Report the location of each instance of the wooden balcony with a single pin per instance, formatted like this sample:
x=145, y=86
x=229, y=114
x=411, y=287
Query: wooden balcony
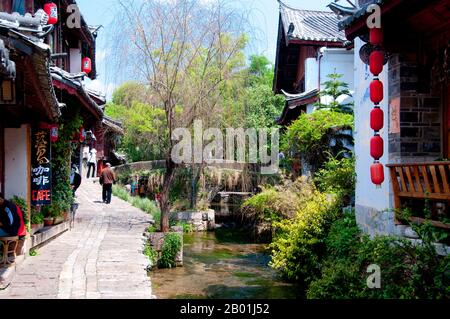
x=421, y=181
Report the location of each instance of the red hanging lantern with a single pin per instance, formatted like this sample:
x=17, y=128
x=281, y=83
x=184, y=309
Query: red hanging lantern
x=376, y=36
x=86, y=65
x=376, y=119
x=376, y=62
x=54, y=133
x=376, y=147
x=377, y=173
x=52, y=11
x=376, y=91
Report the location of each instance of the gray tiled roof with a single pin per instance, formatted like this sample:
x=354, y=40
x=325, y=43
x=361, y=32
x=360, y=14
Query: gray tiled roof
x=321, y=26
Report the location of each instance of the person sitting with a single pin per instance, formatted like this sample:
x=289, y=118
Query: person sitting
x=11, y=219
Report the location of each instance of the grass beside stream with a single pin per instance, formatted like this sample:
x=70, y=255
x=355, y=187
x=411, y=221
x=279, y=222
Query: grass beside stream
x=143, y=204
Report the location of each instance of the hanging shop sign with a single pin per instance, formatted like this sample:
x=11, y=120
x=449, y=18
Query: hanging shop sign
x=41, y=170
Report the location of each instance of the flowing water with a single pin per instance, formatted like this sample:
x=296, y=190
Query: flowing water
x=221, y=265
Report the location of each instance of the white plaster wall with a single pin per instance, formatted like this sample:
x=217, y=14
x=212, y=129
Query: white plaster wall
x=340, y=61
x=75, y=60
x=333, y=60
x=16, y=167
x=310, y=108
x=367, y=194
x=311, y=74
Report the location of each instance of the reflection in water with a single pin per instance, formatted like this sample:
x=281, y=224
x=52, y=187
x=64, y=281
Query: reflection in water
x=221, y=265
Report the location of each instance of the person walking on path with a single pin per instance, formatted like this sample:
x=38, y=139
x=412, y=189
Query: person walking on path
x=75, y=179
x=107, y=179
x=92, y=161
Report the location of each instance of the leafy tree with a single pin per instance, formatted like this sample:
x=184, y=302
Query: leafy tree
x=260, y=70
x=333, y=91
x=184, y=62
x=128, y=93
x=261, y=106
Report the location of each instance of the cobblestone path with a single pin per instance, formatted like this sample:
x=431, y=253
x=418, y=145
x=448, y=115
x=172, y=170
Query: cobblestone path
x=101, y=257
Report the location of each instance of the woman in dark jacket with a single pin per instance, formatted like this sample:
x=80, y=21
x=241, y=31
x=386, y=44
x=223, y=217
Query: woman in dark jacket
x=10, y=220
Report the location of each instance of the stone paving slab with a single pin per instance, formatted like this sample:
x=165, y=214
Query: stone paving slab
x=101, y=257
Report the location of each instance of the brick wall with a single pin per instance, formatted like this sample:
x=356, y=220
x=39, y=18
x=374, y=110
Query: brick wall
x=419, y=137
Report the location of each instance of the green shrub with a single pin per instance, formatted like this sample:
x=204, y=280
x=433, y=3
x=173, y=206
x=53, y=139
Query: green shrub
x=170, y=248
x=311, y=135
x=37, y=218
x=280, y=202
x=56, y=209
x=408, y=271
x=151, y=254
x=298, y=246
x=187, y=227
x=269, y=205
x=343, y=238
x=337, y=176
x=339, y=280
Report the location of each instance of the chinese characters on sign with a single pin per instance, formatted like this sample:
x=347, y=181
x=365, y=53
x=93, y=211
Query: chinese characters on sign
x=41, y=172
x=394, y=125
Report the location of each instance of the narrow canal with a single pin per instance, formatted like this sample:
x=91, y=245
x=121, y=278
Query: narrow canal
x=221, y=265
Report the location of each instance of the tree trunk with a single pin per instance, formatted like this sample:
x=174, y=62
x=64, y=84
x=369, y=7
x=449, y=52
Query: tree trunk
x=165, y=204
x=193, y=186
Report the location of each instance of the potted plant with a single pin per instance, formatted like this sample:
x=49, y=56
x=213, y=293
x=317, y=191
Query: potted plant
x=48, y=218
x=56, y=211
x=37, y=222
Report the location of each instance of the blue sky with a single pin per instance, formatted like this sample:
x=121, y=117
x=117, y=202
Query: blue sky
x=264, y=19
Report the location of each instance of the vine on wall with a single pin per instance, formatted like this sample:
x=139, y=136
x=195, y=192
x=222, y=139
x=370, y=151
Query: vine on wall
x=62, y=149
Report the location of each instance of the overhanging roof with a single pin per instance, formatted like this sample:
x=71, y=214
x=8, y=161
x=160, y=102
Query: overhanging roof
x=294, y=102
x=113, y=125
x=37, y=61
x=73, y=85
x=309, y=25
